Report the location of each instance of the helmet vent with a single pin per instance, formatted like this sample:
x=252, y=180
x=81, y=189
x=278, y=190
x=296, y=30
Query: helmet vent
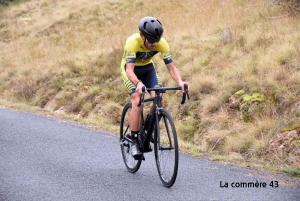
x=156, y=30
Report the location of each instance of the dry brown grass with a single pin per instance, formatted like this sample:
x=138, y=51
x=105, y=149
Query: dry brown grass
x=64, y=56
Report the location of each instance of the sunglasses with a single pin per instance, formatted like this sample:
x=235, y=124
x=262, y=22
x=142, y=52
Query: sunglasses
x=153, y=40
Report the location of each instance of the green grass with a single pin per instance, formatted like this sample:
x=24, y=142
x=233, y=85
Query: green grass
x=292, y=171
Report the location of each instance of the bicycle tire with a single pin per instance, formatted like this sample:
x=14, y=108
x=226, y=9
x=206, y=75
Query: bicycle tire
x=131, y=164
x=166, y=149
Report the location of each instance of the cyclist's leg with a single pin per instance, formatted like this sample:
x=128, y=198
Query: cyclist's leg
x=148, y=75
x=151, y=80
x=134, y=116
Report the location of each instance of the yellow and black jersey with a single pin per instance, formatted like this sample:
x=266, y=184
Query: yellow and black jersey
x=135, y=51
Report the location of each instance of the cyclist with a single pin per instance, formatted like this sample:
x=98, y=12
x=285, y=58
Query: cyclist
x=138, y=70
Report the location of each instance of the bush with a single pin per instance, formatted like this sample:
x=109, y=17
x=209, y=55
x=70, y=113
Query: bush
x=296, y=2
x=4, y=2
x=293, y=5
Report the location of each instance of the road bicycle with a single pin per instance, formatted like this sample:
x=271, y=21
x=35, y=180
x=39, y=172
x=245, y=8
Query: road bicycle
x=161, y=131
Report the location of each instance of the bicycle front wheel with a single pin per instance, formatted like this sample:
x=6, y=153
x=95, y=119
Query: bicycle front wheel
x=166, y=149
x=131, y=164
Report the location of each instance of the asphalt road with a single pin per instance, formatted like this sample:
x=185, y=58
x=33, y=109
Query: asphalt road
x=47, y=159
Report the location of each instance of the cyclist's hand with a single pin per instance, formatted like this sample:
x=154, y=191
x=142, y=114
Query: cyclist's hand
x=138, y=89
x=181, y=85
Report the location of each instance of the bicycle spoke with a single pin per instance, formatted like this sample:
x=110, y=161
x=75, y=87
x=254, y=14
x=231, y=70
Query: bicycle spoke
x=168, y=131
x=166, y=149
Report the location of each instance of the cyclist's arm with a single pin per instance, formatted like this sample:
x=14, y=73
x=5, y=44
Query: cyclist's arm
x=166, y=55
x=133, y=78
x=175, y=74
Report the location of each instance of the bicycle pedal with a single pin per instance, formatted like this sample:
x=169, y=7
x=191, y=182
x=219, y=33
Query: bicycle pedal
x=139, y=157
x=148, y=149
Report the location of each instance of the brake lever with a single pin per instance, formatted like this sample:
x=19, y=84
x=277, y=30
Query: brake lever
x=142, y=97
x=185, y=94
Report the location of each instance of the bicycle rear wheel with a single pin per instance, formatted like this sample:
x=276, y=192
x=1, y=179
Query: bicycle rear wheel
x=166, y=149
x=131, y=164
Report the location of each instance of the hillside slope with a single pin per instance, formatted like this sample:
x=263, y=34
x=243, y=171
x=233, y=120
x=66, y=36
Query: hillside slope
x=241, y=59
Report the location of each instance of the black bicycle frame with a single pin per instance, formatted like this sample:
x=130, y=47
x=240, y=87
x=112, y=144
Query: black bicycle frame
x=157, y=99
x=154, y=117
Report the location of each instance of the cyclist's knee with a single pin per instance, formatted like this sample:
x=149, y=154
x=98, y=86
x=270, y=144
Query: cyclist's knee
x=135, y=98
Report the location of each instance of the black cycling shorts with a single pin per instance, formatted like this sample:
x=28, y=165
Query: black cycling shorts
x=147, y=74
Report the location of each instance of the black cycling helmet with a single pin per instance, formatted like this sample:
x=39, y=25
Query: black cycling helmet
x=151, y=28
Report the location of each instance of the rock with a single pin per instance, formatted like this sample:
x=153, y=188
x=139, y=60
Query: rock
x=286, y=145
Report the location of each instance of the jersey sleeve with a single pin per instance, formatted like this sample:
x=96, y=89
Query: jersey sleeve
x=130, y=51
x=165, y=51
